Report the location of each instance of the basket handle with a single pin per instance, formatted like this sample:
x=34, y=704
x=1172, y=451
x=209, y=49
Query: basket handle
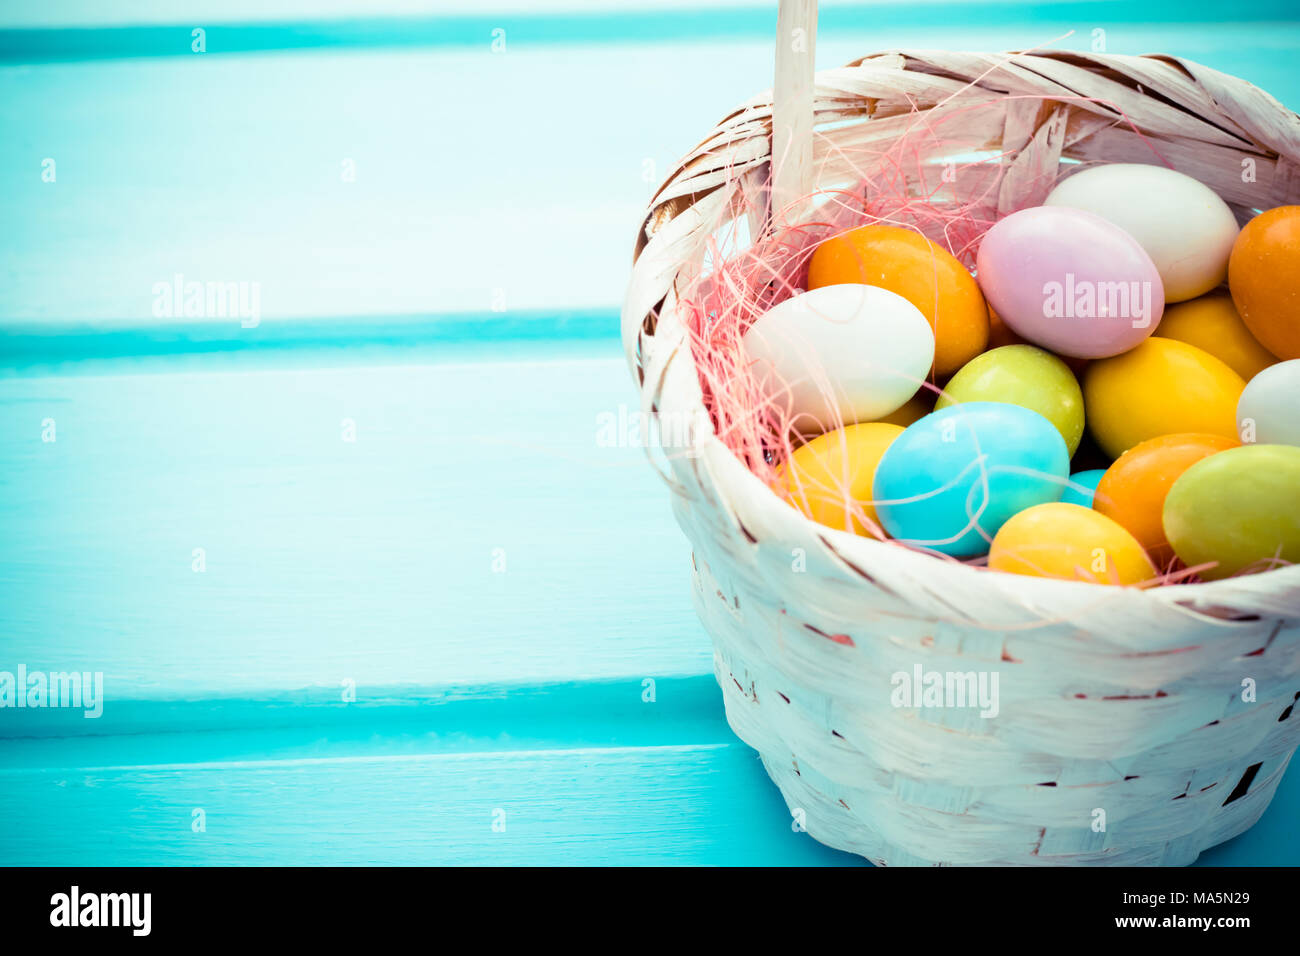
x=792, y=107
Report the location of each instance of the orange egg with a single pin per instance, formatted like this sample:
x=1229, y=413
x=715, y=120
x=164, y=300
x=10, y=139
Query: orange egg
x=907, y=263
x=1000, y=333
x=1264, y=275
x=1133, y=490
x=1211, y=323
x=1077, y=365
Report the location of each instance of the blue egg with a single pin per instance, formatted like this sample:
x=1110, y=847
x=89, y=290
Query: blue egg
x=1088, y=479
x=951, y=480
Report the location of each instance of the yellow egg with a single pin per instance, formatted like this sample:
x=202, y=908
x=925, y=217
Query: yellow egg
x=1213, y=324
x=1162, y=387
x=1059, y=540
x=829, y=479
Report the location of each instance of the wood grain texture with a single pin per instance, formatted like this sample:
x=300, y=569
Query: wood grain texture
x=228, y=168
x=326, y=560
x=372, y=561
x=589, y=772
x=642, y=806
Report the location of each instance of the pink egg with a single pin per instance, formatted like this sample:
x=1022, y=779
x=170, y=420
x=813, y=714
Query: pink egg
x=1070, y=281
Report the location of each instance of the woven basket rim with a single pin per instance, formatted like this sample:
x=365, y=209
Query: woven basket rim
x=1221, y=593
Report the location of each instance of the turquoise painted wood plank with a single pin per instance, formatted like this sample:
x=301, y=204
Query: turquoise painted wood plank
x=673, y=805
x=371, y=562
x=231, y=168
x=742, y=13
x=67, y=348
x=478, y=529
x=592, y=772
x=320, y=723
x=588, y=773
x=280, y=26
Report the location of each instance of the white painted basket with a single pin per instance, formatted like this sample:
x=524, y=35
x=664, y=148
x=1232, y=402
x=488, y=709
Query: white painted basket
x=1127, y=732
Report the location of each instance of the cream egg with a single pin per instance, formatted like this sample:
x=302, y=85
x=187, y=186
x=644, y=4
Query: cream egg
x=839, y=354
x=1266, y=411
x=1183, y=225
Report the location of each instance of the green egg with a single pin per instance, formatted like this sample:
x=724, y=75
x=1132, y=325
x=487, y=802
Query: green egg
x=1026, y=376
x=1239, y=507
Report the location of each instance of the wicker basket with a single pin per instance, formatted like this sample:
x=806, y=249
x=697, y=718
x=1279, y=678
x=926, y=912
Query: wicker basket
x=1134, y=727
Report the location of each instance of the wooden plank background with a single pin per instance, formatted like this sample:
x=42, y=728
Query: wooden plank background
x=370, y=563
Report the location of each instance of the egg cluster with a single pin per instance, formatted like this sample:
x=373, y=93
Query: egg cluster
x=1097, y=330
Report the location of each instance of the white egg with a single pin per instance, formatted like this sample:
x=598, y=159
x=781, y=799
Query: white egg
x=1183, y=225
x=840, y=354
x=1268, y=412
